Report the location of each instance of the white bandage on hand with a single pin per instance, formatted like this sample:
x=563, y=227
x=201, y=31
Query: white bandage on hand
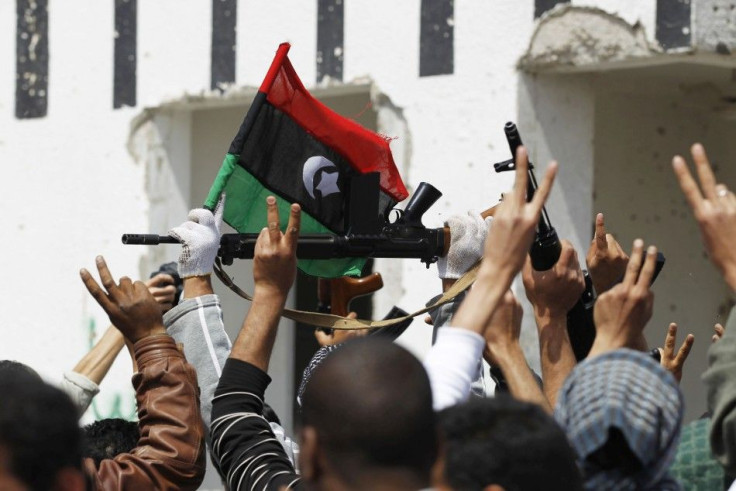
x=467, y=238
x=200, y=239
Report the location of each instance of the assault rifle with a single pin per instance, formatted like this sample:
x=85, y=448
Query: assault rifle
x=545, y=252
x=369, y=233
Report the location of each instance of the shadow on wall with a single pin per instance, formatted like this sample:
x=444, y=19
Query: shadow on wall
x=615, y=133
x=613, y=109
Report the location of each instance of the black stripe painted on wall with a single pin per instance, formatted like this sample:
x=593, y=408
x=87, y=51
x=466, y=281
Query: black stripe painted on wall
x=31, y=59
x=437, y=38
x=673, y=23
x=541, y=6
x=330, y=36
x=126, y=53
x=224, y=29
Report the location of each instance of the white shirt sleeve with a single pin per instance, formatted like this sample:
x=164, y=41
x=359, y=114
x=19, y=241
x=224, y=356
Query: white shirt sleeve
x=452, y=365
x=80, y=389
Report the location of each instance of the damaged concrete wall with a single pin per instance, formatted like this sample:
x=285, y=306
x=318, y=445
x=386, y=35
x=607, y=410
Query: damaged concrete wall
x=598, y=32
x=570, y=36
x=714, y=25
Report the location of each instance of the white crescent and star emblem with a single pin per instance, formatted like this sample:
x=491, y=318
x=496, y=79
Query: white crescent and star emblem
x=328, y=183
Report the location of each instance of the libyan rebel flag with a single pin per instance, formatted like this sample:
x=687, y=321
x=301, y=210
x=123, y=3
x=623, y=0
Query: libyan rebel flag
x=295, y=148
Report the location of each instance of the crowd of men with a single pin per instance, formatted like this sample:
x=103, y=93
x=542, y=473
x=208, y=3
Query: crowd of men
x=372, y=416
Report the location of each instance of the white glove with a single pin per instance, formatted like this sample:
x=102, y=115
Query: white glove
x=200, y=239
x=467, y=237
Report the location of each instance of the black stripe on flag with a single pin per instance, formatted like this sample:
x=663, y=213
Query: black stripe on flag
x=541, y=6
x=437, y=38
x=126, y=38
x=330, y=36
x=276, y=152
x=673, y=23
x=31, y=59
x=224, y=29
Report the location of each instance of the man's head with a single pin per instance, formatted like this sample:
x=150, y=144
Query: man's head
x=40, y=440
x=367, y=416
x=107, y=438
x=506, y=444
x=13, y=368
x=622, y=414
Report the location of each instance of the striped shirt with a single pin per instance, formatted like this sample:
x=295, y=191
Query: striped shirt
x=245, y=449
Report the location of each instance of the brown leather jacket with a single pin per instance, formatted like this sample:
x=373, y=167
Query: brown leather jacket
x=171, y=450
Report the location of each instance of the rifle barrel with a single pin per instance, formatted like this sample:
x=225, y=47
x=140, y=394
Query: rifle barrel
x=148, y=239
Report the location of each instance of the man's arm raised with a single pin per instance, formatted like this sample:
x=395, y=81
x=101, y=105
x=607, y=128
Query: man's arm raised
x=505, y=251
x=170, y=452
x=503, y=349
x=621, y=314
x=714, y=207
x=274, y=271
x=506, y=248
x=553, y=293
x=606, y=259
x=245, y=450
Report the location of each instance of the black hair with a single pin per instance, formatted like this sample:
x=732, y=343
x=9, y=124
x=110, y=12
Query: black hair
x=106, y=438
x=38, y=429
x=370, y=403
x=505, y=442
x=16, y=368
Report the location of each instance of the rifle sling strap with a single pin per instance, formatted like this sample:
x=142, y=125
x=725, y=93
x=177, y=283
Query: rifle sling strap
x=336, y=322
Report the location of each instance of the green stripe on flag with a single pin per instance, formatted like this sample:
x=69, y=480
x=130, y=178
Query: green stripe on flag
x=245, y=211
x=229, y=163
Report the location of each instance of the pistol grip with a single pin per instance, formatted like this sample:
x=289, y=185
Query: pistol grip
x=344, y=290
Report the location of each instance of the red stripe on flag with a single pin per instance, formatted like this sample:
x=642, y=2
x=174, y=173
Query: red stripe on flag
x=363, y=149
x=273, y=70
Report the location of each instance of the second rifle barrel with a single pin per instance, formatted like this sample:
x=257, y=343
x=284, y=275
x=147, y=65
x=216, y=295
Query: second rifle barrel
x=321, y=246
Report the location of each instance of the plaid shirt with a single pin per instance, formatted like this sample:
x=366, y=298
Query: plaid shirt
x=628, y=391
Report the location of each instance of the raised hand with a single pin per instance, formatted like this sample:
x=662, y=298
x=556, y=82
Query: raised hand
x=714, y=207
x=163, y=290
x=606, y=259
x=555, y=291
x=507, y=246
x=718, y=332
x=515, y=221
x=200, y=239
x=552, y=294
x=671, y=361
x=326, y=337
x=274, y=259
x=130, y=306
x=623, y=311
x=274, y=270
